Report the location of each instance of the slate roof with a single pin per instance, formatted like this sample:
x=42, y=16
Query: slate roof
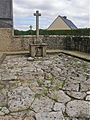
x=68, y=22
x=5, y=25
x=6, y=9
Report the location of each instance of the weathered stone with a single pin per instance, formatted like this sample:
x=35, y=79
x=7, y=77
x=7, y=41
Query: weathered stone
x=5, y=110
x=77, y=95
x=2, y=113
x=71, y=86
x=88, y=92
x=59, y=107
x=47, y=76
x=78, y=108
x=47, y=83
x=3, y=98
x=23, y=114
x=29, y=118
x=26, y=76
x=1, y=86
x=9, y=84
x=60, y=96
x=85, y=86
x=43, y=104
x=88, y=97
x=49, y=116
x=8, y=77
x=30, y=59
x=0, y=78
x=29, y=69
x=38, y=75
x=47, y=63
x=19, y=114
x=20, y=98
x=8, y=118
x=68, y=118
x=55, y=72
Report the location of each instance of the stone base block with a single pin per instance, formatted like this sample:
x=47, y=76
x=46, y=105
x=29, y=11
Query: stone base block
x=38, y=50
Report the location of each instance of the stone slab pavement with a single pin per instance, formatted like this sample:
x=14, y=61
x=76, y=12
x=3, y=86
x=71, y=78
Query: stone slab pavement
x=56, y=87
x=81, y=55
x=73, y=53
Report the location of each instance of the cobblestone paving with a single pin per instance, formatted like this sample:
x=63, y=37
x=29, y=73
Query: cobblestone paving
x=50, y=88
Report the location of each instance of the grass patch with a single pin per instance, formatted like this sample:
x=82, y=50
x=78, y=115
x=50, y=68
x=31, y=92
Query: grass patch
x=40, y=83
x=37, y=95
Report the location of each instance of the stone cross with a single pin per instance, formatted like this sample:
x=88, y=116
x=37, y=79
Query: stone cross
x=37, y=14
x=30, y=27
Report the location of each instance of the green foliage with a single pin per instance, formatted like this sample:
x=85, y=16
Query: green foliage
x=84, y=64
x=55, y=97
x=87, y=76
x=37, y=95
x=29, y=32
x=65, y=114
x=47, y=90
x=58, y=86
x=63, y=83
x=51, y=80
x=77, y=32
x=40, y=83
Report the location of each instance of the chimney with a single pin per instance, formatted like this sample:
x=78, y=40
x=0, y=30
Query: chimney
x=65, y=17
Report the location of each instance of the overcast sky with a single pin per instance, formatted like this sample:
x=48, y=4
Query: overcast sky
x=76, y=10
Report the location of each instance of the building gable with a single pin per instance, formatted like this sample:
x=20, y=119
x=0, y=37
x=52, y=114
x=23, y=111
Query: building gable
x=62, y=23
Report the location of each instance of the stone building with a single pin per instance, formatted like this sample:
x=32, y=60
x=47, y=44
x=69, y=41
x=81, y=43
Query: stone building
x=6, y=14
x=6, y=24
x=62, y=23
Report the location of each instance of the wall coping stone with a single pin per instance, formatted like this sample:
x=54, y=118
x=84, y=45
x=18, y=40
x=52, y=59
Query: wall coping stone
x=28, y=36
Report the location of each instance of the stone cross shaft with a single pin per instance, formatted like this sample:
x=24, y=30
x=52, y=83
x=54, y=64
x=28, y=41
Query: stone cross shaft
x=37, y=14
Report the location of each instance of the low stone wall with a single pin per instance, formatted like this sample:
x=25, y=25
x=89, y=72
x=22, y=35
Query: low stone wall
x=21, y=43
x=78, y=43
x=8, y=42
x=54, y=41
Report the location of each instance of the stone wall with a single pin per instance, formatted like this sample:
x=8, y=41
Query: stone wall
x=54, y=41
x=79, y=43
x=76, y=43
x=8, y=42
x=21, y=43
x=5, y=39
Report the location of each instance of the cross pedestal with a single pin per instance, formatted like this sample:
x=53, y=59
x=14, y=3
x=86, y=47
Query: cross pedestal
x=38, y=48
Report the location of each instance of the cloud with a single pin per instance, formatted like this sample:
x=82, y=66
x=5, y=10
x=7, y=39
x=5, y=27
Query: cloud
x=76, y=10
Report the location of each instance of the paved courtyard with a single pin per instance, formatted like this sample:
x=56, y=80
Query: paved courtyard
x=50, y=88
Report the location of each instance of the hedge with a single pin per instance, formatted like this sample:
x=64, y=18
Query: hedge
x=77, y=32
